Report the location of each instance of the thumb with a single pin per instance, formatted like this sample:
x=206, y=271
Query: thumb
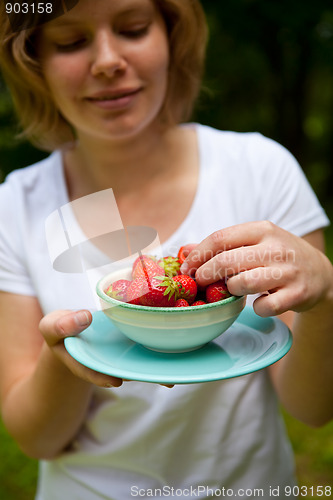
x=58, y=325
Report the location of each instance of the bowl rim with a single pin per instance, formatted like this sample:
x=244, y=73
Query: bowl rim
x=187, y=309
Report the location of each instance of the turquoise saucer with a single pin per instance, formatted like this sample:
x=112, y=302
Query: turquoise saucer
x=250, y=344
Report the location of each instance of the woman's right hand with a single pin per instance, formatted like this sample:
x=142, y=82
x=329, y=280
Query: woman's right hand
x=58, y=325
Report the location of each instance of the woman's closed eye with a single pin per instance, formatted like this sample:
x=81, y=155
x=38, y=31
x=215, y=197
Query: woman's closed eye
x=77, y=44
x=71, y=46
x=136, y=32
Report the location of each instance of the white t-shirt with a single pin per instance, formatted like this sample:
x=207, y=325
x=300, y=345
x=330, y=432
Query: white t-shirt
x=189, y=440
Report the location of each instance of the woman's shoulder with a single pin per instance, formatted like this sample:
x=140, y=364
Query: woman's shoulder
x=245, y=151
x=35, y=174
x=251, y=141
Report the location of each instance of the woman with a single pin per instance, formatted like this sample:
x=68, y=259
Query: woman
x=109, y=83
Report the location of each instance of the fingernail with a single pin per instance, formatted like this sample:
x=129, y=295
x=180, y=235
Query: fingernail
x=82, y=318
x=184, y=268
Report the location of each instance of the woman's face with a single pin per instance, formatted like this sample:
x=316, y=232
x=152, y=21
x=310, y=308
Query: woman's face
x=106, y=64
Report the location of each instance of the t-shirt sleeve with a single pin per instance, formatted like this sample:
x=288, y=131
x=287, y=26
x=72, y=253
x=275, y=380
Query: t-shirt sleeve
x=14, y=275
x=284, y=194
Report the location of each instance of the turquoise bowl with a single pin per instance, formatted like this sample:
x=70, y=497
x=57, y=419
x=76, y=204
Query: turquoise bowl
x=168, y=329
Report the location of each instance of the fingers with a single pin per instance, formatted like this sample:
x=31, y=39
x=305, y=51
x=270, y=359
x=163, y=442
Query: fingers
x=272, y=304
x=260, y=257
x=229, y=263
x=88, y=375
x=288, y=295
x=236, y=261
x=226, y=239
x=258, y=280
x=58, y=325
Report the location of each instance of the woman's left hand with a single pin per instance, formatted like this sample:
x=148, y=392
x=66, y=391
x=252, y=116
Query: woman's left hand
x=261, y=258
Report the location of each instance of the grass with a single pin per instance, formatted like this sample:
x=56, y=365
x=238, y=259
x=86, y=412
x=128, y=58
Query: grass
x=313, y=450
x=18, y=474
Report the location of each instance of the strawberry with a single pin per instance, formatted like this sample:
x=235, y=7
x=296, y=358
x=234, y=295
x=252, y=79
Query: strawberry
x=217, y=291
x=182, y=286
x=139, y=259
x=199, y=303
x=160, y=293
x=171, y=265
x=181, y=255
x=118, y=290
x=136, y=290
x=184, y=251
x=147, y=268
x=181, y=303
x=187, y=287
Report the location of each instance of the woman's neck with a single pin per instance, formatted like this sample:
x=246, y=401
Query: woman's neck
x=125, y=165
x=154, y=182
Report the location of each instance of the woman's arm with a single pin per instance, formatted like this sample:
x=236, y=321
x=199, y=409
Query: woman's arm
x=291, y=275
x=44, y=392
x=304, y=378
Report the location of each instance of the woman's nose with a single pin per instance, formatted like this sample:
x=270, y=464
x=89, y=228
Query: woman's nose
x=107, y=56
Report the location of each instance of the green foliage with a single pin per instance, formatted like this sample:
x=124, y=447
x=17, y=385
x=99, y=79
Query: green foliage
x=313, y=453
x=270, y=69
x=14, y=153
x=18, y=474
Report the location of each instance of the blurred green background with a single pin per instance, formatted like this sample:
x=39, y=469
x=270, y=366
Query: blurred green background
x=269, y=69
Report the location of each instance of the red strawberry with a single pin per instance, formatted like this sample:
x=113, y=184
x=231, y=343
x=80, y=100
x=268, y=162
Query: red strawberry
x=217, y=291
x=146, y=268
x=160, y=293
x=184, y=251
x=181, y=303
x=187, y=287
x=199, y=303
x=181, y=254
x=139, y=259
x=171, y=265
x=118, y=290
x=136, y=290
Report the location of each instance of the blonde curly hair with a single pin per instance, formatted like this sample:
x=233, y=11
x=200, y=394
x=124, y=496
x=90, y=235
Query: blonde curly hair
x=41, y=121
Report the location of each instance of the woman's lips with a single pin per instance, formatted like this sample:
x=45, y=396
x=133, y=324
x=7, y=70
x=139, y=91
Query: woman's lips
x=114, y=99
